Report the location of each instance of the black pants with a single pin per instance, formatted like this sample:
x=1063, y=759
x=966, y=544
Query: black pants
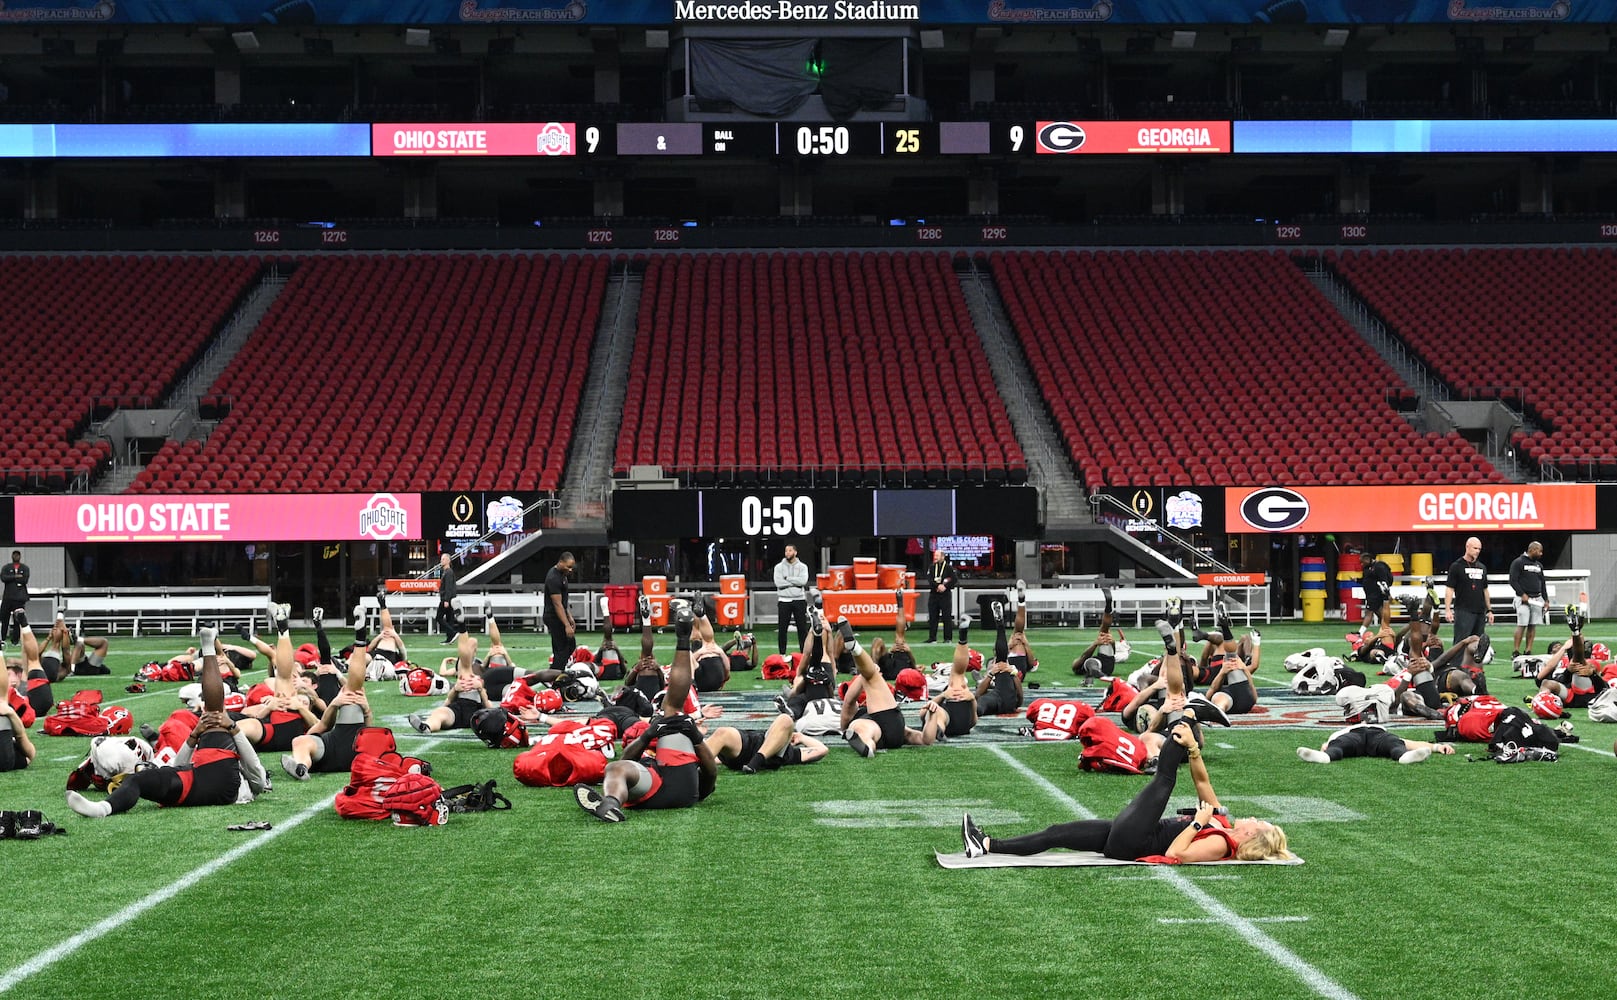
x=1515, y=726
x=792, y=613
x=561, y=644
x=1370, y=741
x=1468, y=623
x=13, y=634
x=1137, y=831
x=938, y=609
x=446, y=620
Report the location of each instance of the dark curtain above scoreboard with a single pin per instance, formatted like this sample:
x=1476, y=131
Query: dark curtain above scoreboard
x=769, y=78
x=860, y=73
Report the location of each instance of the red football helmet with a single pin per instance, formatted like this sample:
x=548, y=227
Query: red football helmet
x=548, y=700
x=974, y=661
x=1547, y=705
x=911, y=683
x=1599, y=653
x=583, y=655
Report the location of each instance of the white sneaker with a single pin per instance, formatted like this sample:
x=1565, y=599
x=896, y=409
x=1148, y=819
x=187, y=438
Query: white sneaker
x=1317, y=756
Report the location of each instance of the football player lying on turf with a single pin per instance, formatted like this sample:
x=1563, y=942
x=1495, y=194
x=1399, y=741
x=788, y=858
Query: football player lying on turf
x=1000, y=690
x=1020, y=654
x=56, y=653
x=711, y=669
x=1571, y=673
x=465, y=699
x=1366, y=740
x=89, y=657
x=286, y=704
x=1100, y=659
x=216, y=767
x=892, y=659
x=1140, y=831
x=816, y=677
x=1511, y=734
x=328, y=746
x=1231, y=687
x=35, y=684
x=953, y=711
x=16, y=749
x=752, y=750
x=684, y=771
x=1169, y=694
x=877, y=724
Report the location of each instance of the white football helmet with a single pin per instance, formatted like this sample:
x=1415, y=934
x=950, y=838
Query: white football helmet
x=191, y=696
x=1298, y=661
x=115, y=755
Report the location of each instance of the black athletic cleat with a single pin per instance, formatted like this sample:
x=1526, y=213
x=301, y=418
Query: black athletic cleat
x=782, y=706
x=1206, y=711
x=845, y=630
x=318, y=615
x=8, y=824
x=245, y=633
x=1170, y=641
x=1175, y=612
x=1106, y=601
x=591, y=801
x=972, y=838
x=643, y=605
x=997, y=609
x=30, y=824
x=860, y=747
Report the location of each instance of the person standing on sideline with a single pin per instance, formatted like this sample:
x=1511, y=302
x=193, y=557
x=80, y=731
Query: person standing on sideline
x=558, y=620
x=15, y=577
x=448, y=591
x=791, y=579
x=1377, y=584
x=940, y=577
x=1527, y=580
x=1465, y=595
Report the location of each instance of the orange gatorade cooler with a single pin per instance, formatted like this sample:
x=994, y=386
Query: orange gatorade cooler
x=655, y=584
x=735, y=583
x=732, y=609
x=659, y=608
x=889, y=576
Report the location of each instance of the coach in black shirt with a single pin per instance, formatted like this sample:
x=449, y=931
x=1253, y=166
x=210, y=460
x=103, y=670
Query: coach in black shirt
x=1377, y=584
x=15, y=576
x=1465, y=595
x=1527, y=580
x=558, y=620
x=940, y=581
x=448, y=590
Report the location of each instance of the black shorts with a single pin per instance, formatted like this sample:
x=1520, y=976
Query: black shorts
x=620, y=716
x=679, y=787
x=464, y=709
x=214, y=784
x=52, y=667
x=961, y=717
x=891, y=721
x=328, y=686
x=739, y=662
x=88, y=669
x=279, y=736
x=1581, y=697
x=241, y=661
x=496, y=679
x=389, y=654
x=752, y=740
x=1243, y=698
x=340, y=753
x=709, y=674
x=11, y=755
x=1369, y=741
x=894, y=663
x=39, y=696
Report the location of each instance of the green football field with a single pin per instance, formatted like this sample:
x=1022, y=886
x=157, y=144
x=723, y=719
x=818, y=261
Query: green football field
x=1445, y=879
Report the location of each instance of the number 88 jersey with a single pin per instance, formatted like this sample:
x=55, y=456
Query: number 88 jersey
x=1055, y=719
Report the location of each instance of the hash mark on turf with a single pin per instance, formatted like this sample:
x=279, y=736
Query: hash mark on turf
x=1226, y=746
x=1210, y=920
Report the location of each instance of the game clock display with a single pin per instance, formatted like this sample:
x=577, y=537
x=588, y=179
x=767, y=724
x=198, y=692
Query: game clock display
x=787, y=513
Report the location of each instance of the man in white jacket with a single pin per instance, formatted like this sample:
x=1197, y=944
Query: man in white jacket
x=791, y=581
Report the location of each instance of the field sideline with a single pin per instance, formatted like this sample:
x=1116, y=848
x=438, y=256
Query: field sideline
x=1444, y=879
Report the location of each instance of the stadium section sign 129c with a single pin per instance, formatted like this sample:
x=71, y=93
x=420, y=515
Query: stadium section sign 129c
x=1449, y=507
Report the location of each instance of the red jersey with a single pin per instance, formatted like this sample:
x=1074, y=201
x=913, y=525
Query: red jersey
x=1473, y=717
x=573, y=751
x=595, y=734
x=1108, y=748
x=1055, y=719
x=1118, y=698
x=259, y=692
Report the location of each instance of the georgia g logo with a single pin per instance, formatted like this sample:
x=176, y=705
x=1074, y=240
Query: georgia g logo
x=1274, y=509
x=1061, y=137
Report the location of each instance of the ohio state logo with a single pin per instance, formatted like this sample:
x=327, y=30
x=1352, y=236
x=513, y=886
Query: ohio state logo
x=384, y=518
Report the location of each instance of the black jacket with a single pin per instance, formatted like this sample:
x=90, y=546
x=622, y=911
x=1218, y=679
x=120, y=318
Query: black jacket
x=15, y=577
x=1377, y=582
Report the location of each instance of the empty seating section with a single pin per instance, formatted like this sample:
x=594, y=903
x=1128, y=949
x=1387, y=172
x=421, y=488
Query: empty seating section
x=414, y=372
x=1498, y=323
x=1224, y=368
x=831, y=367
x=88, y=333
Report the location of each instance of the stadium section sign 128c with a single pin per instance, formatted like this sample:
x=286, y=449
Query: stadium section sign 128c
x=1449, y=507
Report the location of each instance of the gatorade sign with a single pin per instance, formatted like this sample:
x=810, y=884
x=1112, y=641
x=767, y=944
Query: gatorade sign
x=1561, y=507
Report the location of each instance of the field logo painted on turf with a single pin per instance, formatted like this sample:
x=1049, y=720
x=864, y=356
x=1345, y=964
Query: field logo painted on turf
x=881, y=814
x=1287, y=809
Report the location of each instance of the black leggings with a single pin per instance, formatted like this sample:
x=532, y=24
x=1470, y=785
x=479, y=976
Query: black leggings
x=1369, y=741
x=159, y=784
x=1136, y=832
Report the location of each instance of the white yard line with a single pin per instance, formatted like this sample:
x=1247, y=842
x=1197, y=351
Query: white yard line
x=50, y=956
x=1243, y=927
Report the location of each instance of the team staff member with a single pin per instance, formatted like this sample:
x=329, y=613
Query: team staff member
x=448, y=590
x=1465, y=595
x=1527, y=580
x=791, y=579
x=15, y=577
x=1377, y=584
x=941, y=580
x=558, y=620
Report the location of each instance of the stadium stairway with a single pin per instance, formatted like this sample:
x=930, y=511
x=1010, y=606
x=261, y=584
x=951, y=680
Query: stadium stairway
x=589, y=462
x=1065, y=502
x=1427, y=410
x=179, y=413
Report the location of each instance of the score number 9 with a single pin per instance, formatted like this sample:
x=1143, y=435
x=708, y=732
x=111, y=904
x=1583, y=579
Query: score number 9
x=592, y=138
x=1017, y=135
x=785, y=516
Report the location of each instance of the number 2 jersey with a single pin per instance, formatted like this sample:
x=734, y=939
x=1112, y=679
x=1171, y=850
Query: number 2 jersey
x=1108, y=748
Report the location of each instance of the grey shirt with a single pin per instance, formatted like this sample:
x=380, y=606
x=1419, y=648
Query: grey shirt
x=790, y=580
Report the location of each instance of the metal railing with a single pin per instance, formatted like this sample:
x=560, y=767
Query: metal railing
x=1196, y=555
